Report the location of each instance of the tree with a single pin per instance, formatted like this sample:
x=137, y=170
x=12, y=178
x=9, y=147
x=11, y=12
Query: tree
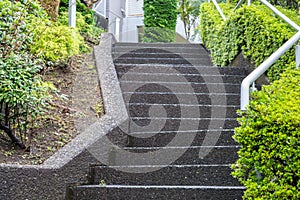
x=189, y=11
x=51, y=6
x=160, y=18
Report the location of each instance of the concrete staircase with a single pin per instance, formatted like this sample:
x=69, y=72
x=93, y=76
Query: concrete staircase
x=178, y=140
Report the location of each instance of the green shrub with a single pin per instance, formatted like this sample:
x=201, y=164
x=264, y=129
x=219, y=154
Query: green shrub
x=22, y=93
x=88, y=30
x=252, y=30
x=269, y=163
x=160, y=20
x=57, y=43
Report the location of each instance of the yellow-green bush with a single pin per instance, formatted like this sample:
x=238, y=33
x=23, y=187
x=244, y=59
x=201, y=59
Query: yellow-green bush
x=85, y=29
x=57, y=43
x=269, y=163
x=253, y=30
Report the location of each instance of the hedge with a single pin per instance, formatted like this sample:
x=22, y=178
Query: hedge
x=160, y=18
x=253, y=30
x=269, y=158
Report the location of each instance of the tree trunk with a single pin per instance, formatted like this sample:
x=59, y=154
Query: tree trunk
x=51, y=6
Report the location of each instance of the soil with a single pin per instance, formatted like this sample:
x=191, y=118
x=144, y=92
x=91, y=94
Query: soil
x=76, y=104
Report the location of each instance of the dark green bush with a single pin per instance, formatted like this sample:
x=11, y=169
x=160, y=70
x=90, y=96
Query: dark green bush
x=269, y=163
x=22, y=93
x=160, y=18
x=252, y=30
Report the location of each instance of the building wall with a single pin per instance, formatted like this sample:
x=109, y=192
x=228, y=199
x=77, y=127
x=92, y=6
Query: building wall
x=124, y=17
x=134, y=18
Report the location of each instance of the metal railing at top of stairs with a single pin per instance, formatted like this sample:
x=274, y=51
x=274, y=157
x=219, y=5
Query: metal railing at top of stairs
x=255, y=74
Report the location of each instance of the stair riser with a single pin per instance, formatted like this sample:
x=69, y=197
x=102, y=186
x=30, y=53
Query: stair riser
x=185, y=69
x=137, y=54
x=179, y=87
x=182, y=45
x=224, y=138
x=192, y=61
x=147, y=77
x=202, y=99
x=184, y=124
x=102, y=193
x=174, y=50
x=218, y=155
x=208, y=175
x=136, y=110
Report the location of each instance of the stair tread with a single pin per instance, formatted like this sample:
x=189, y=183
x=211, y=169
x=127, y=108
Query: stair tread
x=166, y=186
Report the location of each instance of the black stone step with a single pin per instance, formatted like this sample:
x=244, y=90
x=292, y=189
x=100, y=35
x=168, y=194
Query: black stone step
x=191, y=78
x=215, y=154
x=164, y=175
x=180, y=69
x=172, y=124
x=179, y=87
x=163, y=138
x=167, y=60
x=161, y=48
x=181, y=110
x=122, y=192
x=182, y=45
x=183, y=98
x=144, y=54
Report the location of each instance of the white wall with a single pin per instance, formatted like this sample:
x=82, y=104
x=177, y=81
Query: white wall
x=134, y=18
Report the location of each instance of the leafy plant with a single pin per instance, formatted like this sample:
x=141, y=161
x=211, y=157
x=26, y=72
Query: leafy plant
x=269, y=163
x=89, y=30
x=253, y=30
x=160, y=20
x=57, y=43
x=22, y=93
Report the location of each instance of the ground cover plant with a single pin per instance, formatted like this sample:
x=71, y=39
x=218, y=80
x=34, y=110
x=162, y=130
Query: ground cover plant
x=40, y=60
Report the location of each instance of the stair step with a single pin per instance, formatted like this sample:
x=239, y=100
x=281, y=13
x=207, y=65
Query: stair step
x=216, y=155
x=164, y=175
x=191, y=78
x=183, y=45
x=160, y=49
x=169, y=124
x=143, y=54
x=180, y=69
x=137, y=192
x=182, y=98
x=163, y=138
x=173, y=110
x=174, y=61
x=177, y=87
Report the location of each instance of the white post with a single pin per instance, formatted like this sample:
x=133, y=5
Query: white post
x=297, y=56
x=117, y=33
x=72, y=13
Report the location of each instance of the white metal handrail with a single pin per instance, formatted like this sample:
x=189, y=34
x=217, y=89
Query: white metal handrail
x=219, y=9
x=253, y=76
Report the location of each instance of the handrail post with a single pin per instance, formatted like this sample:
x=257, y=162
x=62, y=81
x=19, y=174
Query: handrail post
x=72, y=13
x=219, y=9
x=249, y=2
x=297, y=56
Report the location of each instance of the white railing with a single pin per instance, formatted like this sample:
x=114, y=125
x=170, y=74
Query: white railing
x=255, y=74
